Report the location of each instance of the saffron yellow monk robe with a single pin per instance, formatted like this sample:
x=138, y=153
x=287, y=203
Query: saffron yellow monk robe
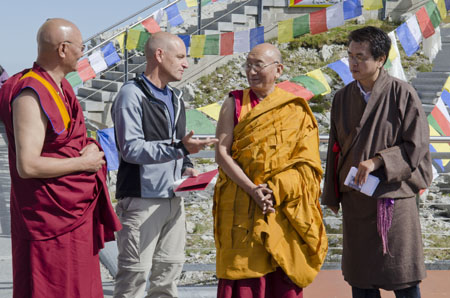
x=277, y=143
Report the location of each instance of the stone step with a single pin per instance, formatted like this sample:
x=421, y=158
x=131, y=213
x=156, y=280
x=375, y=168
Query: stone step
x=422, y=86
x=96, y=95
x=233, y=18
x=137, y=59
x=433, y=74
x=428, y=81
x=116, y=76
x=210, y=32
x=132, y=68
x=428, y=97
x=106, y=85
x=90, y=105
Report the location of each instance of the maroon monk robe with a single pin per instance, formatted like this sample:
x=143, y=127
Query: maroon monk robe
x=58, y=224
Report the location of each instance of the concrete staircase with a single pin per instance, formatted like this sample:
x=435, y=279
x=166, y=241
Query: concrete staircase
x=429, y=84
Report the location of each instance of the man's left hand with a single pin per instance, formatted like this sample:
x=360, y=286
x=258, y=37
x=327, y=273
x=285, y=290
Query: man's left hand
x=365, y=168
x=190, y=172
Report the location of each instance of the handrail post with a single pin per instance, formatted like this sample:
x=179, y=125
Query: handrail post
x=125, y=70
x=260, y=11
x=199, y=22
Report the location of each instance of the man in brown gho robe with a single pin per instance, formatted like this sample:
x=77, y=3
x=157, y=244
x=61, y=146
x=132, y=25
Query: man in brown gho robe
x=379, y=127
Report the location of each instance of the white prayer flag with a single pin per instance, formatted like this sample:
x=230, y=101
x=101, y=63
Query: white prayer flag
x=241, y=42
x=432, y=45
x=158, y=15
x=97, y=61
x=335, y=15
x=397, y=69
x=414, y=28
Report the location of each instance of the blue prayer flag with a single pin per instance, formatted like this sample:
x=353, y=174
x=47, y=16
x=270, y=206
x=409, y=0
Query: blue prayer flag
x=256, y=36
x=407, y=40
x=108, y=143
x=110, y=54
x=342, y=69
x=437, y=163
x=187, y=41
x=445, y=96
x=352, y=9
x=173, y=15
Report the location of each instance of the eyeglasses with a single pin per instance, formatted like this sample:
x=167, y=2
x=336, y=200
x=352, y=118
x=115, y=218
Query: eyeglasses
x=257, y=67
x=82, y=47
x=358, y=59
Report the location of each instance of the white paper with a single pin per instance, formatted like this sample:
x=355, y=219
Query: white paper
x=367, y=188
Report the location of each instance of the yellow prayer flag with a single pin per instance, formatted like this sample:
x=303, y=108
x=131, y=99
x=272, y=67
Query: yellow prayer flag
x=440, y=147
x=392, y=53
x=191, y=3
x=285, y=31
x=212, y=110
x=133, y=38
x=197, y=45
x=442, y=8
x=318, y=75
x=120, y=40
x=447, y=85
x=372, y=4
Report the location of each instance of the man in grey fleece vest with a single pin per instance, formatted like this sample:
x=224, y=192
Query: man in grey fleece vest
x=150, y=126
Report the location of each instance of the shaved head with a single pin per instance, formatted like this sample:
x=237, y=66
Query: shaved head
x=161, y=40
x=54, y=31
x=268, y=50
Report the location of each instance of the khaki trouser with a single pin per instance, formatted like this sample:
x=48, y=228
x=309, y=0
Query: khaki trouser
x=151, y=242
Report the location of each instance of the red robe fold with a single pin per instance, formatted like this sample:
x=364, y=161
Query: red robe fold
x=45, y=211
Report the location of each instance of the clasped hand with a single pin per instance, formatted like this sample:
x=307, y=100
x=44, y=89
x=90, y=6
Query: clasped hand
x=263, y=197
x=92, y=158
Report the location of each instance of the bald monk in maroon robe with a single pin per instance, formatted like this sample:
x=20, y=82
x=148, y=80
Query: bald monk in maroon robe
x=60, y=208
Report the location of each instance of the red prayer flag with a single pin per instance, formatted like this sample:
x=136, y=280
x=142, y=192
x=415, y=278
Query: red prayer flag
x=318, y=21
x=226, y=43
x=297, y=1
x=424, y=22
x=295, y=89
x=151, y=25
x=85, y=70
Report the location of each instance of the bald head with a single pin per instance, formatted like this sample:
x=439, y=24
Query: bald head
x=266, y=50
x=54, y=31
x=161, y=40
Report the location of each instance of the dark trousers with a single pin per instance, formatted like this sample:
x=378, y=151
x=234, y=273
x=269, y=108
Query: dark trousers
x=412, y=292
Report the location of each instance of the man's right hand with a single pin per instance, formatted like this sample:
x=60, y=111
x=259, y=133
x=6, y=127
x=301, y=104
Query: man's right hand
x=92, y=158
x=335, y=209
x=194, y=145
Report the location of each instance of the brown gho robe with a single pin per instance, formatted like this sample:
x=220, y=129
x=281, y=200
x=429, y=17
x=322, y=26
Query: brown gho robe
x=392, y=124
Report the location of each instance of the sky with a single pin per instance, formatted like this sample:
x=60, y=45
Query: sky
x=21, y=19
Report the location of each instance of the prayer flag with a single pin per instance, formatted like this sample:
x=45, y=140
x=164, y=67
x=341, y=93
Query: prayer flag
x=173, y=15
x=158, y=15
x=212, y=43
x=447, y=85
x=256, y=36
x=241, y=42
x=191, y=3
x=432, y=45
x=424, y=22
x=139, y=27
x=352, y=9
x=197, y=45
x=107, y=140
x=212, y=110
x=396, y=70
x=313, y=85
x=442, y=8
x=133, y=38
x=433, y=13
x=97, y=61
x=205, y=2
x=295, y=89
x=110, y=54
x=74, y=79
x=85, y=70
x=335, y=15
x=142, y=41
x=120, y=40
x=343, y=70
x=151, y=25
x=318, y=75
x=318, y=21
x=373, y=4
x=226, y=43
x=409, y=35
x=187, y=41
x=199, y=123
x=439, y=121
x=285, y=33
x=300, y=25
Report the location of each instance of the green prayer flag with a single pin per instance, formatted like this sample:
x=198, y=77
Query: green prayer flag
x=212, y=43
x=313, y=85
x=433, y=13
x=139, y=27
x=205, y=2
x=301, y=25
x=74, y=79
x=388, y=64
x=142, y=40
x=435, y=125
x=199, y=123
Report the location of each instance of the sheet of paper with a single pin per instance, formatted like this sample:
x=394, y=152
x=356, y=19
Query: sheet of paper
x=367, y=188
